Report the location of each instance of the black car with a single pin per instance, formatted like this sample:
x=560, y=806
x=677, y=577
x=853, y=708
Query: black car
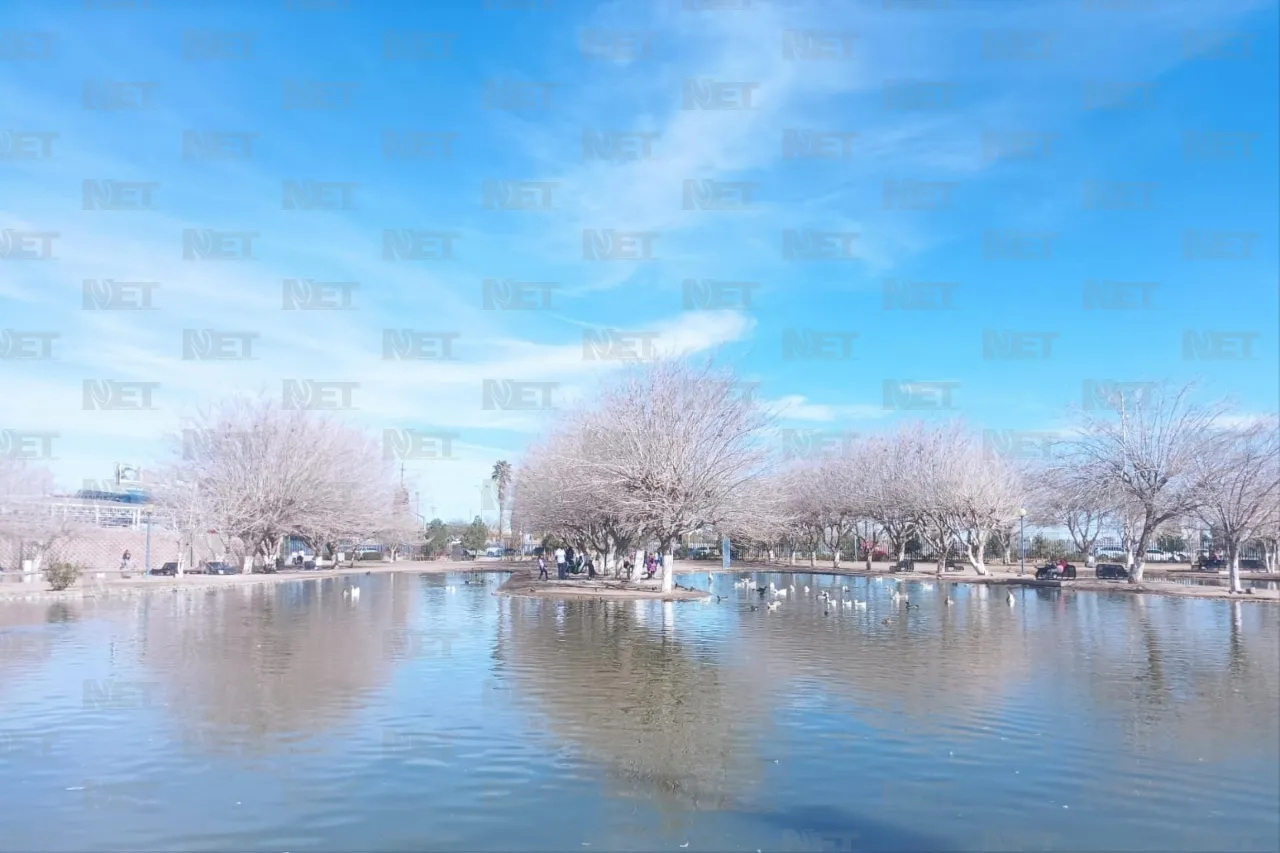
x=166, y=569
x=219, y=568
x=1210, y=564
x=903, y=566
x=1055, y=572
x=1111, y=571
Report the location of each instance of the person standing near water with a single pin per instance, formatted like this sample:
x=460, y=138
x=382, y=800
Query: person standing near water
x=560, y=563
x=542, y=568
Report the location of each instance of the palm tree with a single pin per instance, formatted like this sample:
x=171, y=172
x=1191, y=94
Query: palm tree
x=502, y=476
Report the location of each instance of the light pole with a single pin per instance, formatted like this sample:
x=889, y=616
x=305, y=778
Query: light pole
x=1022, y=548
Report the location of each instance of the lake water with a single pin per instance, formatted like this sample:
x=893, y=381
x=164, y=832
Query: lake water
x=290, y=717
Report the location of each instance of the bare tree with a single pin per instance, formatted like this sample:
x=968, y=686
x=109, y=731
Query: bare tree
x=1147, y=454
x=257, y=472
x=1075, y=499
x=1240, y=487
x=885, y=466
x=671, y=445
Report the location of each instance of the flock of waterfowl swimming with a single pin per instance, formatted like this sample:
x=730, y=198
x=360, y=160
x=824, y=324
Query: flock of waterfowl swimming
x=897, y=594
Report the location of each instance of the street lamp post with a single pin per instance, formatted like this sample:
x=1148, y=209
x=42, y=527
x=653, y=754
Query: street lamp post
x=1022, y=548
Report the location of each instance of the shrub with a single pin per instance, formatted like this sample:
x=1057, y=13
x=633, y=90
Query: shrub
x=61, y=575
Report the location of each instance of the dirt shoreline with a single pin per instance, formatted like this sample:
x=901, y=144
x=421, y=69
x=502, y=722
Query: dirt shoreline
x=524, y=584
x=114, y=586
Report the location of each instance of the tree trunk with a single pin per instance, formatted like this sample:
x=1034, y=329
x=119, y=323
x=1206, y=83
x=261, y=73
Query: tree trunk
x=813, y=559
x=1233, y=567
x=668, y=571
x=1137, y=564
x=835, y=559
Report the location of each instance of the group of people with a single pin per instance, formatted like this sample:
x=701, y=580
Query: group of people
x=567, y=562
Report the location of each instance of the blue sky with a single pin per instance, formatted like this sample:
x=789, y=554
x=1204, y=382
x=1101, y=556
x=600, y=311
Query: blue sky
x=931, y=98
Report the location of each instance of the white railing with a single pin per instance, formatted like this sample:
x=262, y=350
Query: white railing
x=104, y=513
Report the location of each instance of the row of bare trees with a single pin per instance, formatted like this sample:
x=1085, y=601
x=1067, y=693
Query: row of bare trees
x=674, y=449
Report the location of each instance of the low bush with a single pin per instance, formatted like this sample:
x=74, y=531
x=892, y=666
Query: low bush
x=61, y=575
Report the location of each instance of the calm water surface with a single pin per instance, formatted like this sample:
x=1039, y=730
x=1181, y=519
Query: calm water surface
x=289, y=717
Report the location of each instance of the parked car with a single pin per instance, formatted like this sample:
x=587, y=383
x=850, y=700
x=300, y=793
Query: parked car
x=167, y=569
x=1155, y=555
x=1053, y=572
x=217, y=567
x=1111, y=552
x=1249, y=564
x=903, y=566
x=1111, y=571
x=493, y=552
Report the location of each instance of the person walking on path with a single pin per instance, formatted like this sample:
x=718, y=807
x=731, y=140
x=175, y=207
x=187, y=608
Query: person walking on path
x=124, y=562
x=542, y=568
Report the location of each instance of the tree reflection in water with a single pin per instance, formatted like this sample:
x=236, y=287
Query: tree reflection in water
x=257, y=669
x=666, y=718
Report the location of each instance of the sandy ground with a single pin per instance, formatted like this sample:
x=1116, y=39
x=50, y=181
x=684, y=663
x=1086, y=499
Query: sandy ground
x=524, y=582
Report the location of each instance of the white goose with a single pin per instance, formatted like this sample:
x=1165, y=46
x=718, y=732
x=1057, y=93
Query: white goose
x=950, y=601
x=773, y=605
x=355, y=593
x=1009, y=598
x=806, y=590
x=861, y=605
x=926, y=586
x=781, y=593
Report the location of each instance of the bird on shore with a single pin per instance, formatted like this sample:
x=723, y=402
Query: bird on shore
x=916, y=606
x=773, y=605
x=1009, y=598
x=950, y=601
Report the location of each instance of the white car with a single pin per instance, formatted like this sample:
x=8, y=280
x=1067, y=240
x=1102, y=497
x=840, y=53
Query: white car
x=493, y=552
x=1155, y=555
